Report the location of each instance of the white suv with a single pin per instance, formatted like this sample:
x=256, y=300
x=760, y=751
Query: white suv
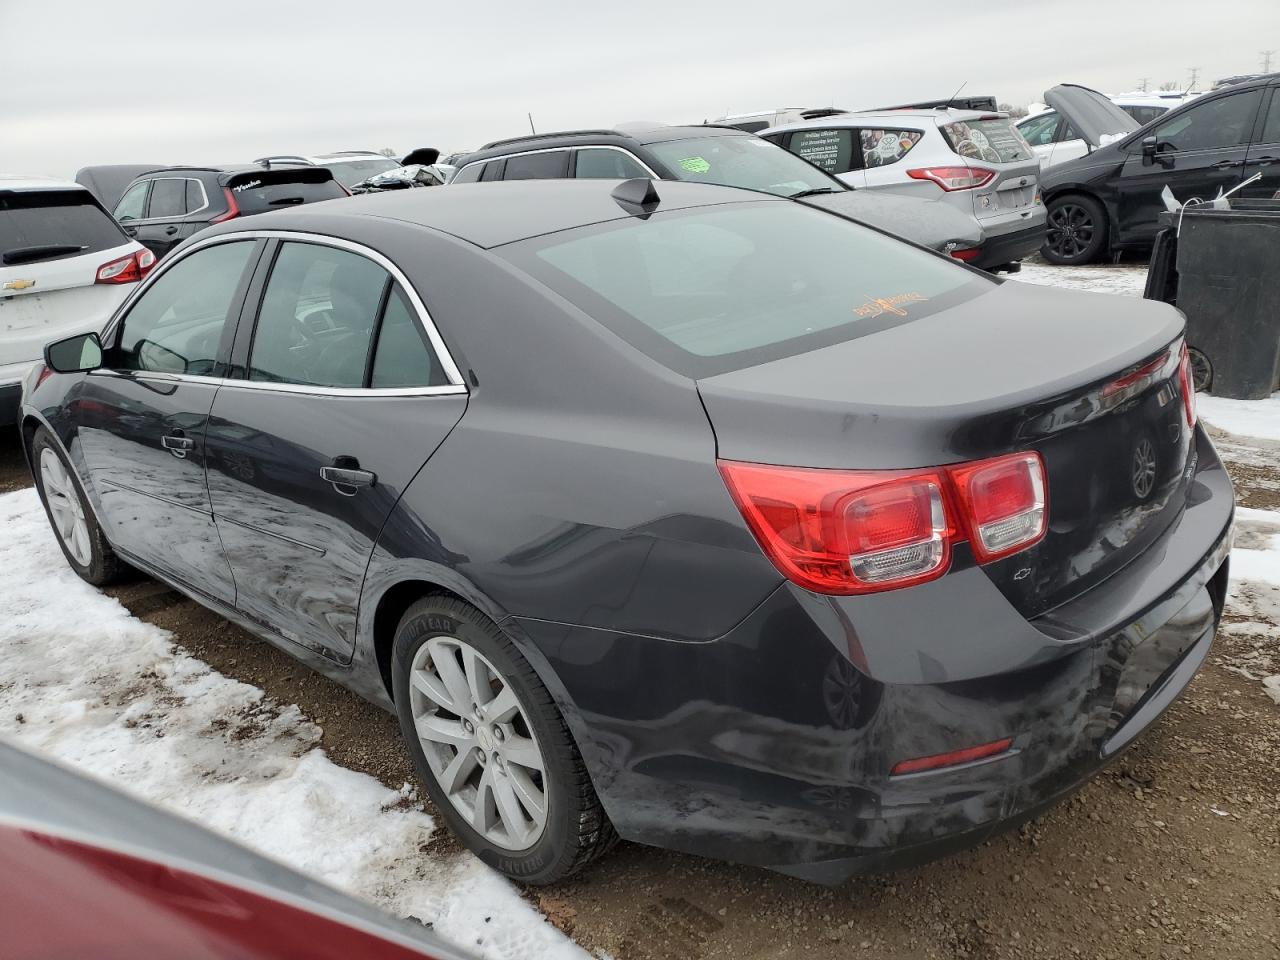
x=65, y=266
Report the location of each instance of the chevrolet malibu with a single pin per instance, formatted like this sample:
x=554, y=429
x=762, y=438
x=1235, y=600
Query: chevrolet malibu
x=662, y=511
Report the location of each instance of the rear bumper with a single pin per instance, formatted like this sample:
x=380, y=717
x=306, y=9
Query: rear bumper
x=1007, y=247
x=773, y=744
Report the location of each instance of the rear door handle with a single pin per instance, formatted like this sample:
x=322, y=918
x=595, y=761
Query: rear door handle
x=347, y=479
x=1228, y=164
x=170, y=231
x=1263, y=161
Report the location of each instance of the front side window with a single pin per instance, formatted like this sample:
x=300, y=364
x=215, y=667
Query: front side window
x=133, y=203
x=1223, y=122
x=317, y=317
x=830, y=150
x=176, y=325
x=552, y=165
x=1039, y=130
x=718, y=288
x=742, y=161
x=881, y=147
x=469, y=174
x=168, y=198
x=595, y=163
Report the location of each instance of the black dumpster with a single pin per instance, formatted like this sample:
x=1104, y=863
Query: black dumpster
x=1222, y=269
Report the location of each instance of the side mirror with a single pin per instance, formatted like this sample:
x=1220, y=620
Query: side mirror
x=1152, y=147
x=74, y=354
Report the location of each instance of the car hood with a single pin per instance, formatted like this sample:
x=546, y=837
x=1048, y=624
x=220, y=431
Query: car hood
x=926, y=222
x=1094, y=117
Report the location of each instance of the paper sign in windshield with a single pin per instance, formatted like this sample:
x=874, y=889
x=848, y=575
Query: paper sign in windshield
x=895, y=305
x=695, y=165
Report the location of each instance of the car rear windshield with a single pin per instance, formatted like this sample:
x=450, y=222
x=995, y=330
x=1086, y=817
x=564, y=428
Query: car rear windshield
x=745, y=161
x=993, y=139
x=274, y=190
x=348, y=172
x=38, y=225
x=711, y=289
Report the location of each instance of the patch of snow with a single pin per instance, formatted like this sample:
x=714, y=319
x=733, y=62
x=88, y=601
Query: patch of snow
x=1127, y=279
x=1246, y=418
x=111, y=695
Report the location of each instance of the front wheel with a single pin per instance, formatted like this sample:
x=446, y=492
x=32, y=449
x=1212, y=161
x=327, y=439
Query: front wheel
x=81, y=539
x=491, y=747
x=1076, y=230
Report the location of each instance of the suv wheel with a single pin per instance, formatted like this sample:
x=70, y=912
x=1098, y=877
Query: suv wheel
x=1077, y=230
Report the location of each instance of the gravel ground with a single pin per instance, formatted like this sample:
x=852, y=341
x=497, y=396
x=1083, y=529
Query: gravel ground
x=1173, y=851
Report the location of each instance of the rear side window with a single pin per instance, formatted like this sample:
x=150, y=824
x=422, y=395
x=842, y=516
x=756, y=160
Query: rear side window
x=402, y=356
x=829, y=150
x=538, y=166
x=994, y=139
x=882, y=147
x=718, y=288
x=176, y=325
x=1271, y=126
x=40, y=225
x=196, y=199
x=596, y=163
x=168, y=198
x=133, y=204
x=258, y=193
x=1145, y=115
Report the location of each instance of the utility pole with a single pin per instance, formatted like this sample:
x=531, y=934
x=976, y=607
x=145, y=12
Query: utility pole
x=1266, y=60
x=1195, y=75
x=1142, y=84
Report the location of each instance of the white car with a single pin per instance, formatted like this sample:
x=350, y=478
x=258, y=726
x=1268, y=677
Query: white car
x=348, y=167
x=1056, y=139
x=65, y=266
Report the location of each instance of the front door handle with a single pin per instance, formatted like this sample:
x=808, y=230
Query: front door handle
x=1263, y=161
x=346, y=476
x=170, y=231
x=1228, y=164
x=177, y=444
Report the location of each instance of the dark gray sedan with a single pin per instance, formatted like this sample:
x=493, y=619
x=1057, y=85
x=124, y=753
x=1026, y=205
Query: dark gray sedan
x=661, y=510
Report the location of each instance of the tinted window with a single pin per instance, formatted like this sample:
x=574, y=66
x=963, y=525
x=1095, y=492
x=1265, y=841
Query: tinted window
x=403, y=356
x=53, y=219
x=607, y=165
x=469, y=174
x=168, y=198
x=996, y=140
x=317, y=317
x=133, y=203
x=882, y=147
x=1039, y=130
x=751, y=126
x=1144, y=115
x=259, y=193
x=1271, y=127
x=1223, y=122
x=741, y=161
x=493, y=170
x=176, y=325
x=195, y=196
x=832, y=150
x=717, y=288
x=538, y=166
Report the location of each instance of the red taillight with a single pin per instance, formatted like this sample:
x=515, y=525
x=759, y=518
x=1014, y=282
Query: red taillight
x=842, y=532
x=233, y=208
x=1185, y=382
x=954, y=178
x=128, y=269
x=967, y=254
x=1003, y=502
x=954, y=758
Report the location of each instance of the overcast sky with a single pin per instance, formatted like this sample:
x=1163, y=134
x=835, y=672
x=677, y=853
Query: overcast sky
x=87, y=81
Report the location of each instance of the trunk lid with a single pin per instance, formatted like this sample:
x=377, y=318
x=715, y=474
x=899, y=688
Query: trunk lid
x=1018, y=369
x=993, y=142
x=1096, y=119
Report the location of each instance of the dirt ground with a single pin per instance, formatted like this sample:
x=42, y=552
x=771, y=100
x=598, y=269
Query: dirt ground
x=1173, y=851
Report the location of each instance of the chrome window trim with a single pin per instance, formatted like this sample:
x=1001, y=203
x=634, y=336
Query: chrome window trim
x=576, y=146
x=203, y=192
x=456, y=383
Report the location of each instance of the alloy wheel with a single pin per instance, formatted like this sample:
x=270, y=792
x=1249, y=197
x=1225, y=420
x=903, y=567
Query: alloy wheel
x=65, y=507
x=1070, y=231
x=1201, y=371
x=478, y=742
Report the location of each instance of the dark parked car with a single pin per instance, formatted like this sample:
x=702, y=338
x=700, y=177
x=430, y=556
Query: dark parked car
x=166, y=206
x=723, y=155
x=1110, y=200
x=87, y=872
x=686, y=514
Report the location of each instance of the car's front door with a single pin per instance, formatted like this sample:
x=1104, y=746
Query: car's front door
x=142, y=417
x=1264, y=153
x=1201, y=152
x=132, y=207
x=342, y=393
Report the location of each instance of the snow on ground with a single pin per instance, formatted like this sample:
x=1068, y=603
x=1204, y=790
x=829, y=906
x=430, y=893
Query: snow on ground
x=87, y=683
x=1126, y=279
x=1248, y=418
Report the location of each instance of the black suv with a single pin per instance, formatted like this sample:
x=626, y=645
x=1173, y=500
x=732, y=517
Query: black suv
x=1109, y=200
x=163, y=207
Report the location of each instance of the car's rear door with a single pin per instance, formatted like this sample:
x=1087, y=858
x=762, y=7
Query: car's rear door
x=159, y=229
x=141, y=418
x=342, y=391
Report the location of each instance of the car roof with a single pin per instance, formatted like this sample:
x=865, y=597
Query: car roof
x=15, y=182
x=492, y=214
x=639, y=132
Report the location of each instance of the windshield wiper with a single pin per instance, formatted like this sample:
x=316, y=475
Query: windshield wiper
x=43, y=252
x=812, y=191
x=284, y=201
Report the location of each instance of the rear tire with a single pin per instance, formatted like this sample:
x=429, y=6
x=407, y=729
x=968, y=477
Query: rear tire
x=1076, y=230
x=491, y=747
x=76, y=528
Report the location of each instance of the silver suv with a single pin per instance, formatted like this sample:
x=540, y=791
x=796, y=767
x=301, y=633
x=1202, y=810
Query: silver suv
x=974, y=161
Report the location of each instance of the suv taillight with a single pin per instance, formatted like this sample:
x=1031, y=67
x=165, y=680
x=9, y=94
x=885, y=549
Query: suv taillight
x=1188, y=386
x=954, y=178
x=128, y=269
x=233, y=208
x=850, y=532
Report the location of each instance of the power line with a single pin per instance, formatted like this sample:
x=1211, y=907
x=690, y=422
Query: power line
x=1142, y=83
x=1266, y=60
x=1195, y=75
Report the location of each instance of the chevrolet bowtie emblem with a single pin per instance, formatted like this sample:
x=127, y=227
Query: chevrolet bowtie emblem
x=18, y=284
